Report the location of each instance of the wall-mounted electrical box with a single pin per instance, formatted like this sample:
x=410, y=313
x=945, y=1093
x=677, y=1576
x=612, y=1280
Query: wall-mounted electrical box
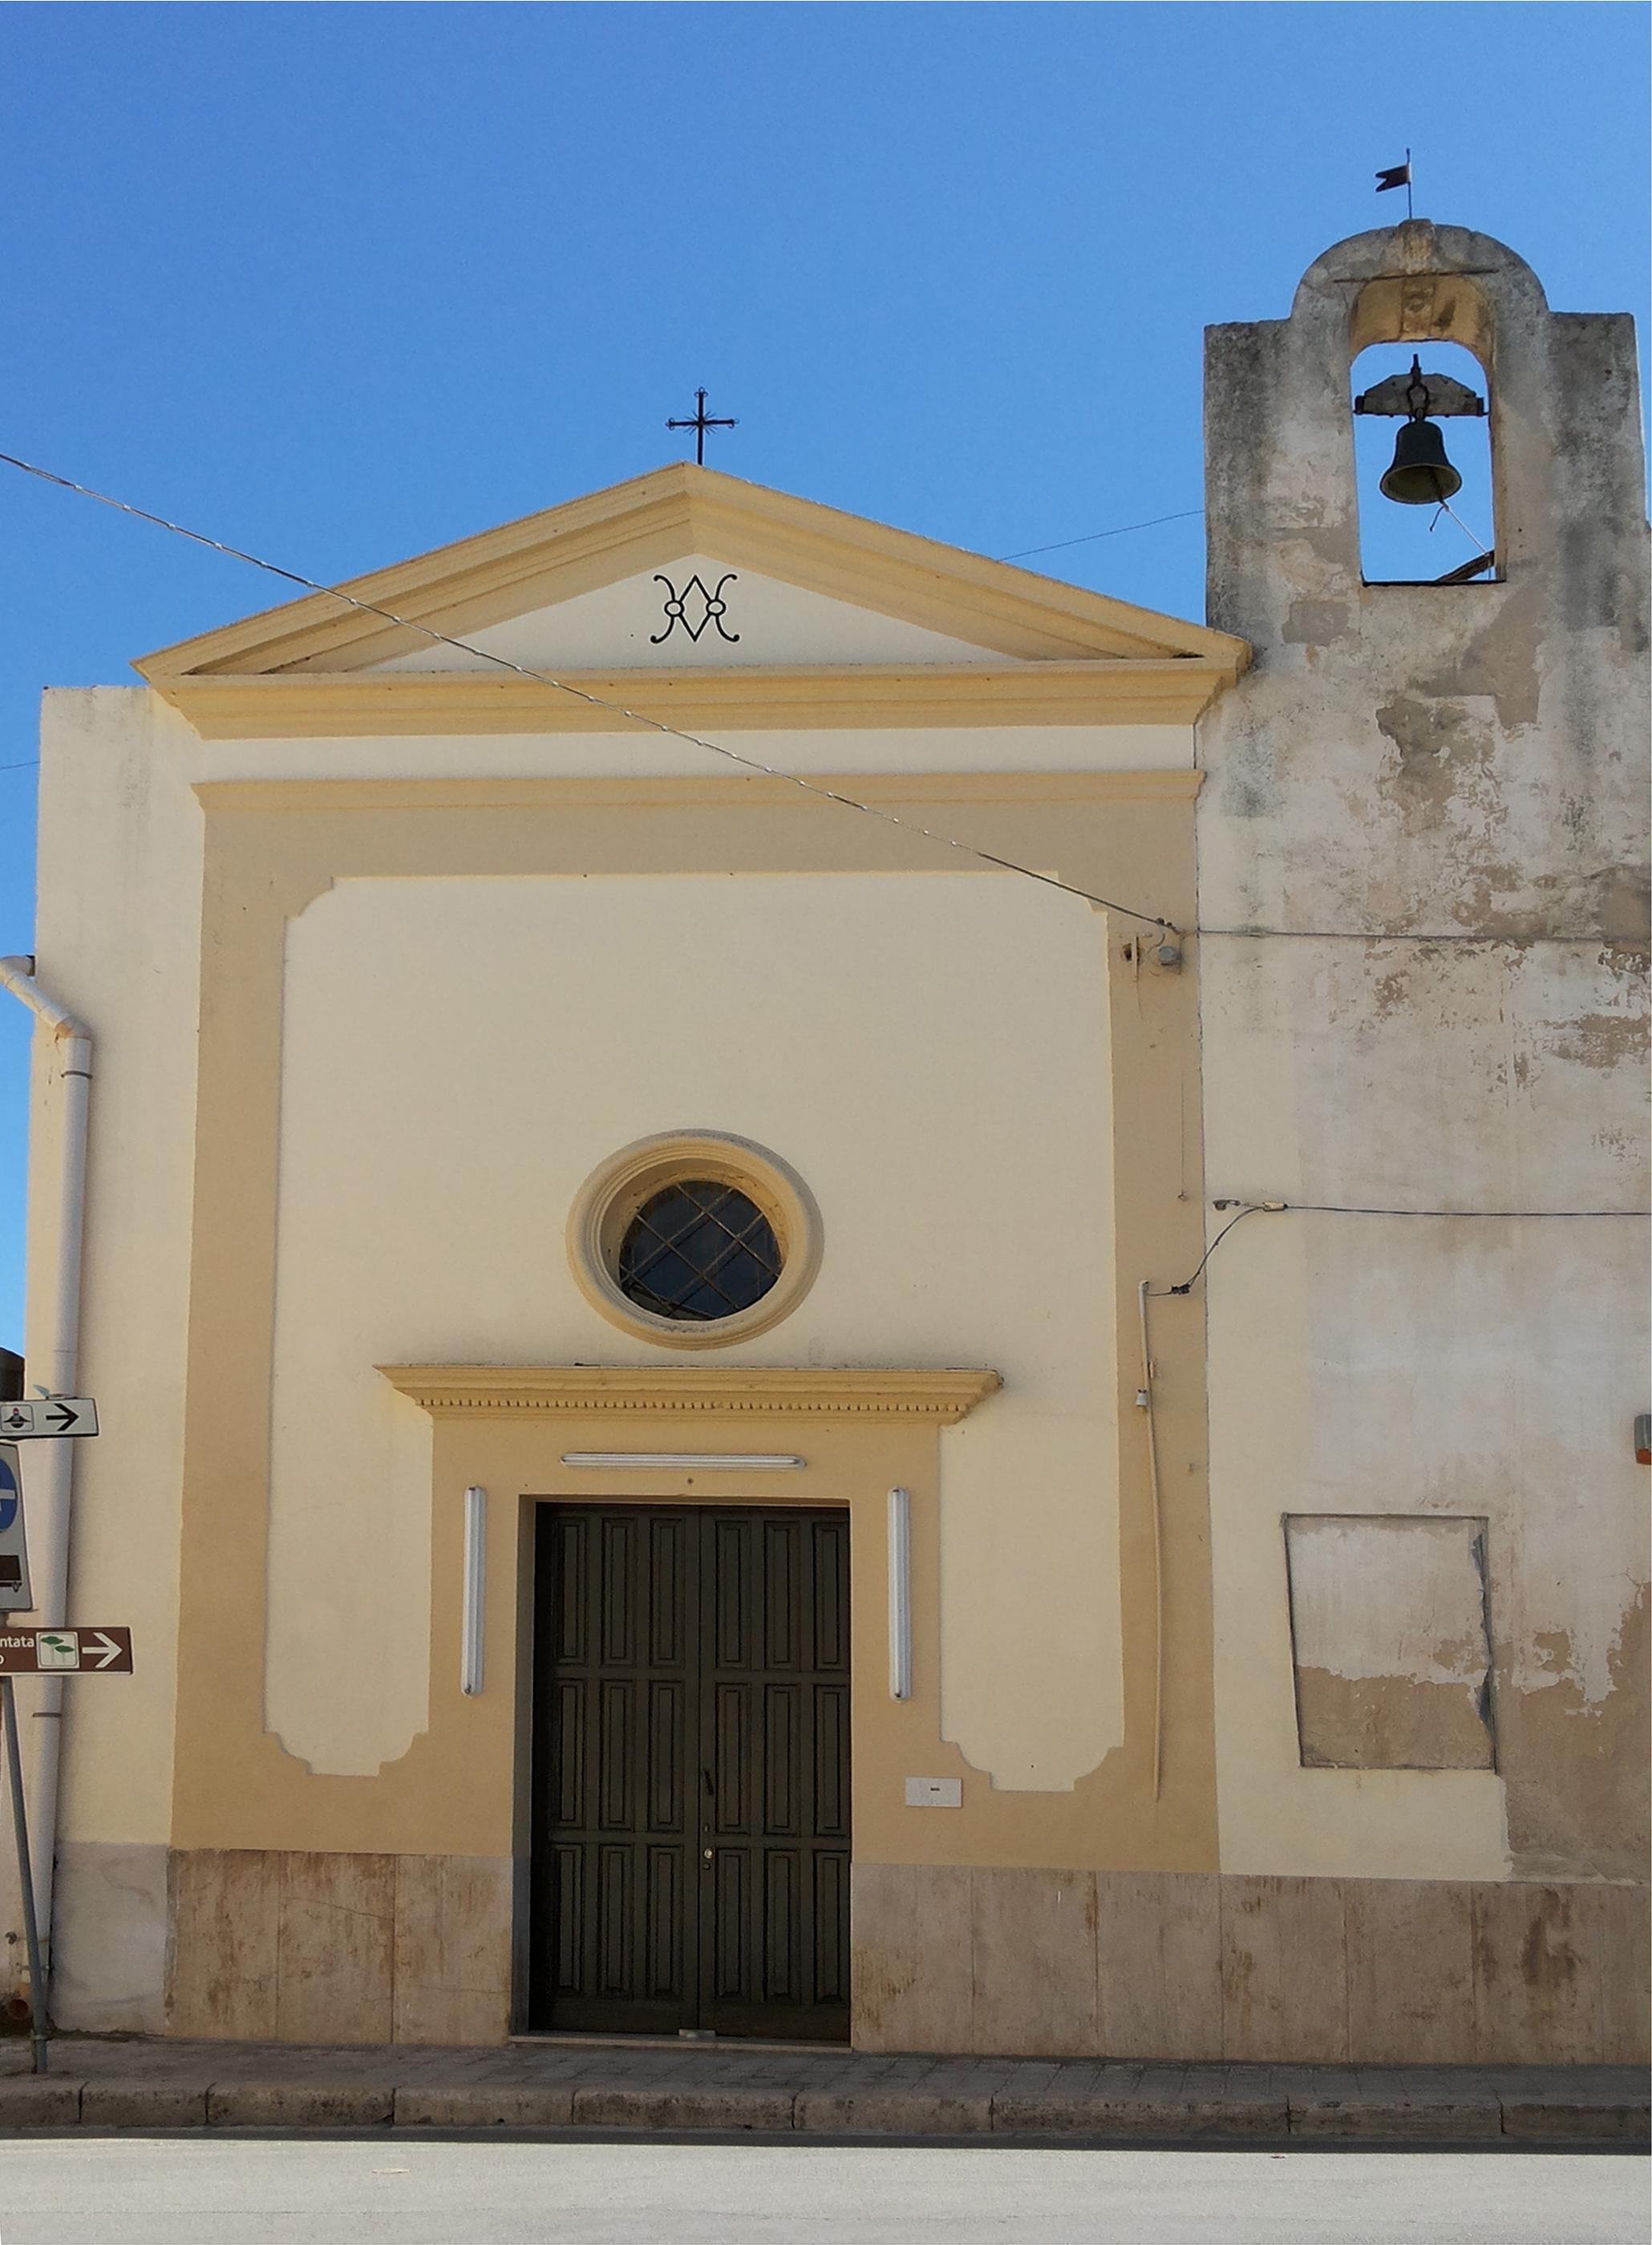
x=935, y=1793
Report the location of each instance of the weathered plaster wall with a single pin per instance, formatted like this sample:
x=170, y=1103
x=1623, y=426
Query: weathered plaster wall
x=1467, y=762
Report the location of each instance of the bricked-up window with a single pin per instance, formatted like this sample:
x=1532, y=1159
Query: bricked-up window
x=1390, y=1640
x=1422, y=544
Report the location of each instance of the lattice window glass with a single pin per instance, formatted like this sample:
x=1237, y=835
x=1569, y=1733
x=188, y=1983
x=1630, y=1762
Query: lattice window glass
x=696, y=1251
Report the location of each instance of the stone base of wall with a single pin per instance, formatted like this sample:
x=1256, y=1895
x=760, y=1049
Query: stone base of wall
x=278, y=1946
x=1191, y=1964
x=109, y=1911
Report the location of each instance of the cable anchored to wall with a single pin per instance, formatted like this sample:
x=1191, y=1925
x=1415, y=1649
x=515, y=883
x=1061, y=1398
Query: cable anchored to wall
x=1332, y=1208
x=1389, y=935
x=1254, y=1208
x=1328, y=1208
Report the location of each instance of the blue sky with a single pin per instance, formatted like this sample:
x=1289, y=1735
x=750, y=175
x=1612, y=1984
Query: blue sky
x=340, y=282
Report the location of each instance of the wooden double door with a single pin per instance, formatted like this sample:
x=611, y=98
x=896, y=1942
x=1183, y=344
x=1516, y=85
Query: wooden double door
x=691, y=1839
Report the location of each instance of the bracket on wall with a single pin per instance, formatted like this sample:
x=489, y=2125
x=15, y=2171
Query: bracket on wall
x=1445, y=397
x=1467, y=570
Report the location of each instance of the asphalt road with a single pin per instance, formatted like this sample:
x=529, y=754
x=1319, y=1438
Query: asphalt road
x=391, y=2191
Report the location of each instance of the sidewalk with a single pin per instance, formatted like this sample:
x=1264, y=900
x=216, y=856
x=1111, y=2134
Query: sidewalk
x=111, y=2084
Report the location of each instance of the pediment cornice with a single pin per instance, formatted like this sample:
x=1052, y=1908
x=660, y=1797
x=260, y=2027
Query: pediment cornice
x=822, y=698
x=589, y=543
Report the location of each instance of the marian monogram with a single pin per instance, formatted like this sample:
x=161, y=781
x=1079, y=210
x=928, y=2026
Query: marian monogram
x=695, y=608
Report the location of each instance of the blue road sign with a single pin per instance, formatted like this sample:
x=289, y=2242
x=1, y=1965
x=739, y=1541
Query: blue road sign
x=14, y=1550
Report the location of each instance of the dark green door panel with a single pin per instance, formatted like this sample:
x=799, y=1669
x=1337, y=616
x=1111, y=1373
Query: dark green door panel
x=691, y=1839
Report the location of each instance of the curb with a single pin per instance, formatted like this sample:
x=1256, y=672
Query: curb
x=56, y=2104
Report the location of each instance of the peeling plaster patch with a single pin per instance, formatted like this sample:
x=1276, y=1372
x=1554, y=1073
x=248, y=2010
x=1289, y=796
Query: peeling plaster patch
x=1390, y=992
x=1602, y=1040
x=1591, y=1666
x=1551, y=1658
x=1501, y=663
x=1625, y=961
x=1315, y=623
x=1390, y=1641
x=1617, y=1144
x=1618, y=899
x=1441, y=744
x=1250, y=787
x=1390, y=1722
x=1573, y=1735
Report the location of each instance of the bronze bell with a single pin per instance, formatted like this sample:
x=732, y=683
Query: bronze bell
x=1420, y=474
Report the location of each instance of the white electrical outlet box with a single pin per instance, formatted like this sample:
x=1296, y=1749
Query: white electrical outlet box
x=935, y=1793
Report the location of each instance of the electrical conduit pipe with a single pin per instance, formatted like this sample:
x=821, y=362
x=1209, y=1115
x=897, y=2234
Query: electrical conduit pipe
x=49, y=1485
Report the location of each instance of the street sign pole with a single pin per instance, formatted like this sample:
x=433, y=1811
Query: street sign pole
x=25, y=1875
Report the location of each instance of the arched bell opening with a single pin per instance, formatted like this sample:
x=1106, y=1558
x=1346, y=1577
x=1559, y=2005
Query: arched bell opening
x=1423, y=464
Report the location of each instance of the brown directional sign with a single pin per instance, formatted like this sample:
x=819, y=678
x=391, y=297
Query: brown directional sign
x=66, y=1651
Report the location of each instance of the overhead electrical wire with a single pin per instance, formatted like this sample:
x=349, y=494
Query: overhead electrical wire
x=754, y=763
x=1024, y=553
x=1330, y=1208
x=1407, y=935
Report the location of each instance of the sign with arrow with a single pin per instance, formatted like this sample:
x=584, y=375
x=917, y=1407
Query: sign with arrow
x=44, y=1417
x=66, y=1651
x=15, y=1594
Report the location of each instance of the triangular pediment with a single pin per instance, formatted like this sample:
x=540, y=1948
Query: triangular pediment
x=695, y=612
x=589, y=584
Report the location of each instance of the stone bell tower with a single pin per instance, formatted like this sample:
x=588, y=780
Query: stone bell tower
x=1423, y=973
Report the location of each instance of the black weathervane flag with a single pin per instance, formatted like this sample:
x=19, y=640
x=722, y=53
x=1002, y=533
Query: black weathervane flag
x=1398, y=175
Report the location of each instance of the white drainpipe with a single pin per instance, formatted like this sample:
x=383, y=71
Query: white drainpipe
x=49, y=1475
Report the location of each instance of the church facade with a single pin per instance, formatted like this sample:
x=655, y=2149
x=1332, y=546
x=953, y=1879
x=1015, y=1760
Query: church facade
x=670, y=1447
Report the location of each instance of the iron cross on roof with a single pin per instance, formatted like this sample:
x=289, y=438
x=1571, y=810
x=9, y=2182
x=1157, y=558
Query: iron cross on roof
x=700, y=423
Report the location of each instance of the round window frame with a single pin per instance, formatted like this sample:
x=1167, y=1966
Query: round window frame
x=612, y=1194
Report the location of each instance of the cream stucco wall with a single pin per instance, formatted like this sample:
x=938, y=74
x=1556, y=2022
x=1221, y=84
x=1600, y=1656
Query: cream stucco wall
x=931, y=1054
x=120, y=858
x=917, y=749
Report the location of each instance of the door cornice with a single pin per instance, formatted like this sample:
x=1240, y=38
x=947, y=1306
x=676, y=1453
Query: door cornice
x=453, y=1391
